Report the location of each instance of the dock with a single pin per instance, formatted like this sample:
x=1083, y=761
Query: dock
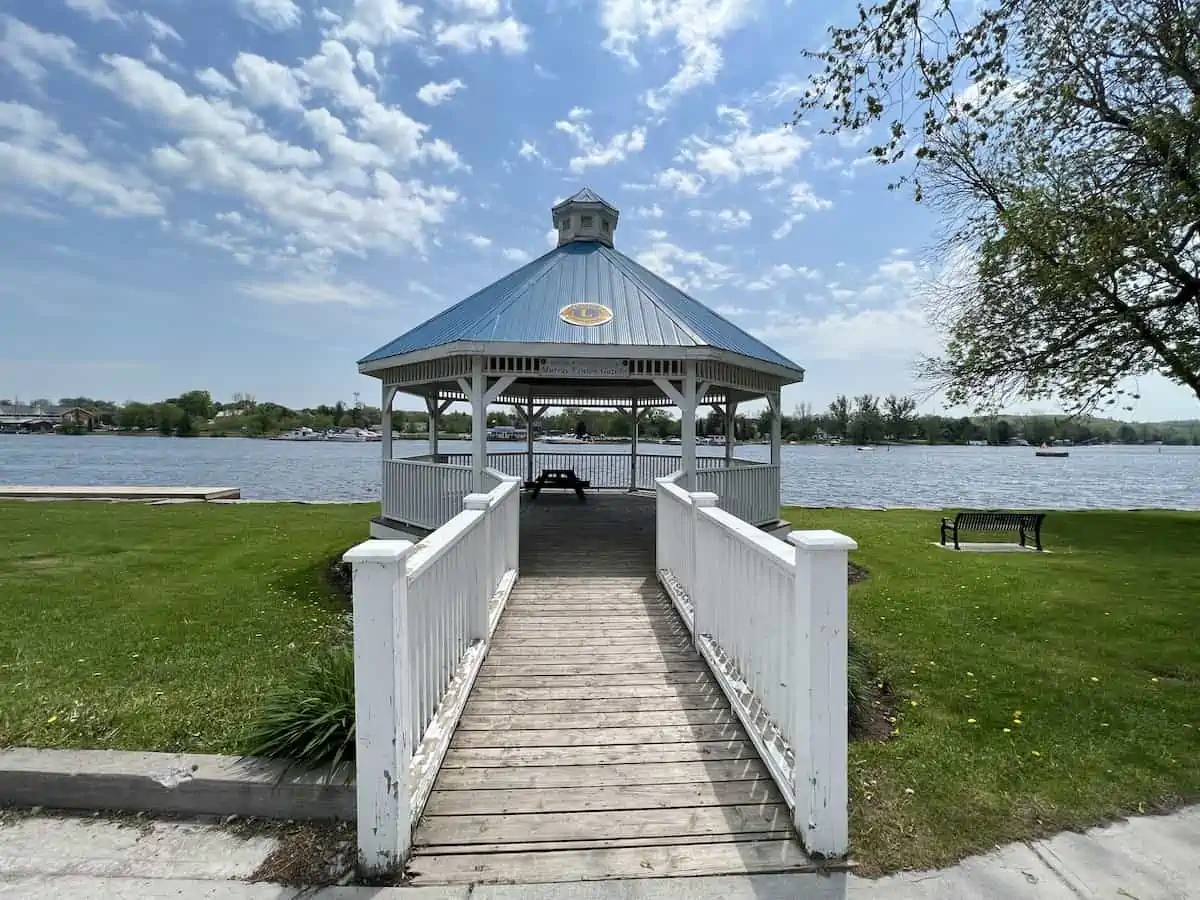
x=595, y=743
x=115, y=492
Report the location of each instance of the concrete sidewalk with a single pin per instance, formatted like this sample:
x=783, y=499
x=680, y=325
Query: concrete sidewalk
x=1148, y=858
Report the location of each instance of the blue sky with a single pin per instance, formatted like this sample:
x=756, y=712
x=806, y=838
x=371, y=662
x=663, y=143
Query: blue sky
x=249, y=195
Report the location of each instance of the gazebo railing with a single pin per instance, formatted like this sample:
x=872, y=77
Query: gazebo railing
x=748, y=491
x=423, y=493
x=604, y=470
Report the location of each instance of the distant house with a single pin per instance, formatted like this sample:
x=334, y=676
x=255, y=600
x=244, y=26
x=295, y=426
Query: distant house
x=17, y=418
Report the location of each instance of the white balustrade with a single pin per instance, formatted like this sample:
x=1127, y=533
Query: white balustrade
x=423, y=618
x=748, y=490
x=604, y=470
x=770, y=619
x=422, y=493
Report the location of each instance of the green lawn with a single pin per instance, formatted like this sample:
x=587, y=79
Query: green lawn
x=1036, y=692
x=158, y=627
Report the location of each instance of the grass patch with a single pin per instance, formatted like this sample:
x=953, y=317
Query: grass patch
x=129, y=626
x=1036, y=693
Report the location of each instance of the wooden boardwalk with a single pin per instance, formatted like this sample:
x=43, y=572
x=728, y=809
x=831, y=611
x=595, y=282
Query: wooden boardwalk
x=595, y=743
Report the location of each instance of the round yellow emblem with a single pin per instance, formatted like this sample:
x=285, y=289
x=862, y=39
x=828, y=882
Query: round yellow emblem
x=586, y=314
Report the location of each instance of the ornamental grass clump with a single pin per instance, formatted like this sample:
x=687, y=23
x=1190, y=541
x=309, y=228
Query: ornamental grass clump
x=309, y=720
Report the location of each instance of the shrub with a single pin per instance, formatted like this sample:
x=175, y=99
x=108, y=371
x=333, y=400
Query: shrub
x=309, y=721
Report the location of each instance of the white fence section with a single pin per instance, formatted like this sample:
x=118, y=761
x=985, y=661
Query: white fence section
x=748, y=490
x=423, y=493
x=770, y=619
x=618, y=471
x=423, y=618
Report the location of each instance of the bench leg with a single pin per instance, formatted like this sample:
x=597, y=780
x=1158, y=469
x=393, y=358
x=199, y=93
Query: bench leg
x=956, y=547
x=943, y=534
x=1021, y=530
x=1037, y=538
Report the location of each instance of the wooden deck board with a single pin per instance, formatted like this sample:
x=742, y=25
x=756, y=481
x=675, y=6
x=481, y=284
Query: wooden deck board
x=595, y=743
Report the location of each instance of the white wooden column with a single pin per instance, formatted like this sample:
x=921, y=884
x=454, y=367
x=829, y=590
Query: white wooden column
x=383, y=725
x=688, y=425
x=730, y=431
x=478, y=424
x=820, y=714
x=529, y=438
x=435, y=410
x=385, y=420
x=635, y=414
x=776, y=404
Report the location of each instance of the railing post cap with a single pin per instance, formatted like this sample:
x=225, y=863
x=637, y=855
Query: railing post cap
x=378, y=551
x=821, y=539
x=476, y=502
x=704, y=498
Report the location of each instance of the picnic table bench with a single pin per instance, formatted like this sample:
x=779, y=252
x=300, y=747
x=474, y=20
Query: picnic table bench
x=557, y=479
x=1024, y=523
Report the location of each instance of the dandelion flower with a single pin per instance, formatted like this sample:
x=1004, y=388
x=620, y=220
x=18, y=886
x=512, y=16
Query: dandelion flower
x=1008, y=731
x=52, y=720
x=1035, y=753
x=970, y=721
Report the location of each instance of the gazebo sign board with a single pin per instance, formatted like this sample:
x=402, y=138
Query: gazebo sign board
x=583, y=368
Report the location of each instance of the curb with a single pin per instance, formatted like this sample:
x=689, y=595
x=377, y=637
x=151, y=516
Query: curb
x=174, y=783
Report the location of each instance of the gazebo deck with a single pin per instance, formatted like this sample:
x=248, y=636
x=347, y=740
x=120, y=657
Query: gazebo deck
x=595, y=743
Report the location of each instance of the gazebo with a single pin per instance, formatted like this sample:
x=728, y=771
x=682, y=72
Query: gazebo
x=583, y=326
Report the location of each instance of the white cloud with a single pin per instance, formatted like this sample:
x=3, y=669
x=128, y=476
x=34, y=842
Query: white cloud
x=435, y=93
x=380, y=23
x=309, y=291
x=27, y=50
x=688, y=269
x=782, y=272
x=687, y=184
x=744, y=152
x=477, y=240
x=275, y=15
x=653, y=211
x=160, y=29
x=594, y=153
x=265, y=83
x=551, y=238
x=96, y=10
x=215, y=81
x=897, y=332
x=145, y=89
x=332, y=69
x=37, y=156
x=515, y=254
x=800, y=200
x=366, y=63
x=697, y=27
x=898, y=270
x=529, y=150
x=507, y=35
x=724, y=219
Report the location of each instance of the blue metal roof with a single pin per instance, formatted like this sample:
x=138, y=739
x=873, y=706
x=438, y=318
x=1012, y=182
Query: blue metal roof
x=587, y=195
x=524, y=307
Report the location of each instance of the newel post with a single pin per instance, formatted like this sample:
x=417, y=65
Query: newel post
x=383, y=729
x=700, y=500
x=481, y=503
x=819, y=681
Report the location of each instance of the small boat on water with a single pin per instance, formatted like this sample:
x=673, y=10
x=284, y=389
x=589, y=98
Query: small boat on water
x=865, y=449
x=565, y=439
x=353, y=436
x=1050, y=453
x=304, y=433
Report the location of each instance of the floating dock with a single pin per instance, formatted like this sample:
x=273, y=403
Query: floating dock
x=115, y=492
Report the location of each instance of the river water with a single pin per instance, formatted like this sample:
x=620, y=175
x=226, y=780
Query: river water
x=1092, y=477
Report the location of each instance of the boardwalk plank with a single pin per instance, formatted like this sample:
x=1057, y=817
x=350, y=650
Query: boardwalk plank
x=698, y=751
x=598, y=737
x=733, y=858
x=542, y=706
x=577, y=799
x=520, y=720
x=594, y=776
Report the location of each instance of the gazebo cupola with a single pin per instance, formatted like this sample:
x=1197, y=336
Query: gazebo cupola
x=585, y=216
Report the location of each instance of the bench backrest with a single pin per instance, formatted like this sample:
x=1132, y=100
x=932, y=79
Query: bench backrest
x=998, y=521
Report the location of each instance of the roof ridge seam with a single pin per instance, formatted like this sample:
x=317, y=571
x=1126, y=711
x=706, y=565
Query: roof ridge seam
x=618, y=260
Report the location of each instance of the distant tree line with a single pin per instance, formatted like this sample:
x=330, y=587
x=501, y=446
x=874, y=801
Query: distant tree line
x=865, y=419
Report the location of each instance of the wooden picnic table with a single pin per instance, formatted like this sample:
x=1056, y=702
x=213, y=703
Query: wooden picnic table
x=557, y=479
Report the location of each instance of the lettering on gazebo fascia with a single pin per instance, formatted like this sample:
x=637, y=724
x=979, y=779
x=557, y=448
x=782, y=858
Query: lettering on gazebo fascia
x=429, y=371
x=588, y=366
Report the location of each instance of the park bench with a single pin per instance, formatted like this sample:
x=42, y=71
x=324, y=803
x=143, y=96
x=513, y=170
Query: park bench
x=1024, y=524
x=557, y=479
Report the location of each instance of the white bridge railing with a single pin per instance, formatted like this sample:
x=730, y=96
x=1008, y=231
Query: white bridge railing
x=749, y=491
x=423, y=618
x=770, y=619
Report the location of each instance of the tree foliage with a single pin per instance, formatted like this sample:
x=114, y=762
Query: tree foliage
x=1060, y=141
